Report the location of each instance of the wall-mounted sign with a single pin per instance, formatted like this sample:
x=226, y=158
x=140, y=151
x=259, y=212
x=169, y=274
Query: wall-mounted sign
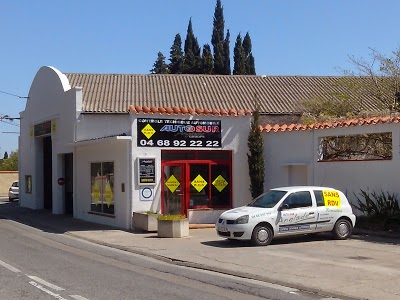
x=146, y=193
x=166, y=133
x=42, y=128
x=147, y=170
x=61, y=181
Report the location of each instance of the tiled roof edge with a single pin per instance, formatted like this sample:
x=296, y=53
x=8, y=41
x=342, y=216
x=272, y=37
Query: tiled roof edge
x=331, y=124
x=184, y=110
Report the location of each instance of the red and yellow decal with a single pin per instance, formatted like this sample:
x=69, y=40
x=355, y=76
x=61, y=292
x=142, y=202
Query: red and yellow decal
x=331, y=198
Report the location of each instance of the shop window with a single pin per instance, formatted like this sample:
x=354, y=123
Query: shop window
x=220, y=186
x=102, y=187
x=372, y=146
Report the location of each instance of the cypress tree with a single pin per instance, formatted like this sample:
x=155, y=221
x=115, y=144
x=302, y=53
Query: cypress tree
x=160, y=67
x=255, y=156
x=227, y=54
x=250, y=66
x=217, y=39
x=176, y=56
x=239, y=58
x=207, y=60
x=192, y=55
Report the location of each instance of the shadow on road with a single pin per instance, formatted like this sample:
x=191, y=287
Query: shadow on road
x=45, y=220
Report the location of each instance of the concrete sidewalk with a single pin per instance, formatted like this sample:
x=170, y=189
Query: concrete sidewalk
x=364, y=267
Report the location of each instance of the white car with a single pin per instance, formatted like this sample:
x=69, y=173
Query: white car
x=289, y=211
x=13, y=191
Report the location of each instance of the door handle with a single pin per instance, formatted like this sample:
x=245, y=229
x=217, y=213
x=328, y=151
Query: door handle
x=311, y=213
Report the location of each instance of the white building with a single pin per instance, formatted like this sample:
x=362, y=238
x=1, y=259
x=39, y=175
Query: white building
x=102, y=146
x=102, y=166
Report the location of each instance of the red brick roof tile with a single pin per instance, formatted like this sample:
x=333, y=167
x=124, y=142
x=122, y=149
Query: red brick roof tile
x=332, y=124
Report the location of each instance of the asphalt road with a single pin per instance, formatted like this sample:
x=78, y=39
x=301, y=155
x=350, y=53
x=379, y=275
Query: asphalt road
x=42, y=265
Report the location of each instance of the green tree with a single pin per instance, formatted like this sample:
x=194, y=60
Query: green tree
x=381, y=77
x=176, y=56
x=227, y=54
x=343, y=99
x=192, y=52
x=5, y=155
x=255, y=157
x=375, y=77
x=11, y=163
x=207, y=60
x=217, y=39
x=239, y=60
x=249, y=58
x=160, y=67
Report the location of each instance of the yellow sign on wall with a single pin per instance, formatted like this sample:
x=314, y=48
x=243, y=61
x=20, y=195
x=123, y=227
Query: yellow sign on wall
x=172, y=183
x=220, y=183
x=148, y=131
x=331, y=198
x=199, y=183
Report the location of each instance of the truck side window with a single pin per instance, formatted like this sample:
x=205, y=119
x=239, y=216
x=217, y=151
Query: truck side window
x=319, y=198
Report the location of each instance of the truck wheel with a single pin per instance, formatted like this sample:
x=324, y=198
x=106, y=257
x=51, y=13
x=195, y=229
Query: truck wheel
x=262, y=235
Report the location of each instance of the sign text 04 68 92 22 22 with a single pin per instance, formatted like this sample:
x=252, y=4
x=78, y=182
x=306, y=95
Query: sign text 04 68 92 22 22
x=178, y=133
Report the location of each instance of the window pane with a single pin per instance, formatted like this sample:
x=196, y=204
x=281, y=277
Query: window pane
x=220, y=186
x=356, y=147
x=319, y=198
x=299, y=199
x=95, y=183
x=108, y=187
x=199, y=185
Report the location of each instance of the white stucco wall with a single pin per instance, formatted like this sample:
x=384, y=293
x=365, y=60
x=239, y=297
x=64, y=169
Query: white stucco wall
x=283, y=150
x=234, y=137
x=115, y=149
x=50, y=99
x=92, y=126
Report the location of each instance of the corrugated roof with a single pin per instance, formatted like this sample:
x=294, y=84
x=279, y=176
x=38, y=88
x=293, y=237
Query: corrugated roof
x=115, y=93
x=333, y=124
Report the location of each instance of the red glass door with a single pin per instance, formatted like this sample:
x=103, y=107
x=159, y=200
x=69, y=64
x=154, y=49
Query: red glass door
x=173, y=189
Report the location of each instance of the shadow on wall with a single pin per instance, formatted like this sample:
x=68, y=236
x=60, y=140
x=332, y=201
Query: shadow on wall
x=6, y=179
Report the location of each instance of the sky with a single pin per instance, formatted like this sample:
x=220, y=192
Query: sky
x=289, y=37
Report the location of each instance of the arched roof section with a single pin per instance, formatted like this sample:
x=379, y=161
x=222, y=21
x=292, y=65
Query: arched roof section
x=48, y=83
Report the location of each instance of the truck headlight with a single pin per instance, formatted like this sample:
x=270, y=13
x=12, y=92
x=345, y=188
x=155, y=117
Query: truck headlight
x=242, y=220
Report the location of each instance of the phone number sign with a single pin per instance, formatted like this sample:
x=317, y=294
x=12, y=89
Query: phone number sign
x=152, y=132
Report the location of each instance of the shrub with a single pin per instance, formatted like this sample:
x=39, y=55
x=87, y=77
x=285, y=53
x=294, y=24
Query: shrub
x=171, y=217
x=382, y=205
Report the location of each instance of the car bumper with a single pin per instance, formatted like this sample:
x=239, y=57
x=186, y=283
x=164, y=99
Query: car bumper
x=236, y=231
x=13, y=196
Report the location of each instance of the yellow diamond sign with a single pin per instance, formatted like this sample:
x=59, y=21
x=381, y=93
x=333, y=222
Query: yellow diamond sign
x=199, y=183
x=220, y=183
x=108, y=194
x=95, y=192
x=172, y=183
x=148, y=131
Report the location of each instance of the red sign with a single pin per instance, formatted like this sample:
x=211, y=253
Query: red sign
x=61, y=181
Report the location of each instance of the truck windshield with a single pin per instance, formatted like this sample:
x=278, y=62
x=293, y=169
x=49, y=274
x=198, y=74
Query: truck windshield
x=268, y=199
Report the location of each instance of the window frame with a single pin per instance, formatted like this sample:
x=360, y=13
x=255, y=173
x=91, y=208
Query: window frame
x=102, y=189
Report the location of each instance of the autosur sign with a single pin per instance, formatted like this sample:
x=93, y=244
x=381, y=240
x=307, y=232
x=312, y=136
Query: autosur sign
x=153, y=132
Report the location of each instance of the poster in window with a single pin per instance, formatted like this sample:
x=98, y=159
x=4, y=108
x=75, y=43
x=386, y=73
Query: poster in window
x=147, y=171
